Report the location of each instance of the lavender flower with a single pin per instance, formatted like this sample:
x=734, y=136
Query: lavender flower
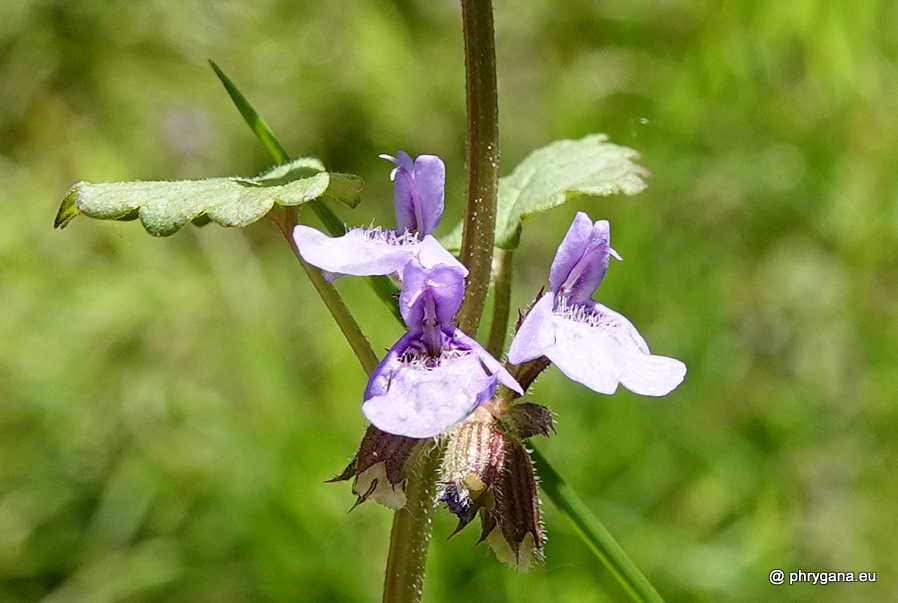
x=589, y=342
x=418, y=202
x=435, y=375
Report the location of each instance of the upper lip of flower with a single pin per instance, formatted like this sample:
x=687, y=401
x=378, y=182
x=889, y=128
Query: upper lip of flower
x=418, y=192
x=582, y=258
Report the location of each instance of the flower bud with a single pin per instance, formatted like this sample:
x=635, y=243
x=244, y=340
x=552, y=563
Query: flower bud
x=381, y=467
x=471, y=465
x=487, y=469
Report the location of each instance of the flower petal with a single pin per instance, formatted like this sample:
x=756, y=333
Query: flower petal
x=570, y=250
x=431, y=253
x=430, y=176
x=418, y=192
x=422, y=402
x=354, y=253
x=444, y=284
x=536, y=333
x=600, y=354
x=493, y=366
x=403, y=187
x=582, y=258
x=379, y=380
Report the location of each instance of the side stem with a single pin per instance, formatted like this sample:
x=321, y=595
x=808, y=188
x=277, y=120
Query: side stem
x=481, y=157
x=351, y=330
x=501, y=302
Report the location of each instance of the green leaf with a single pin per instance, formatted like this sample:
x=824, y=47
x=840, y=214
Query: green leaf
x=165, y=207
x=594, y=534
x=346, y=188
x=555, y=173
x=253, y=119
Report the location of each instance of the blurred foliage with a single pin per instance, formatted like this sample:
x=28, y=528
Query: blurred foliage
x=170, y=409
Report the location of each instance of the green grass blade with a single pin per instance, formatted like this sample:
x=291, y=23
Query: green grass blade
x=255, y=122
x=594, y=534
x=330, y=221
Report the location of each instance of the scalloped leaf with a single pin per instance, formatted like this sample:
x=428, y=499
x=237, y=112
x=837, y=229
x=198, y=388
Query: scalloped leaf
x=555, y=173
x=165, y=207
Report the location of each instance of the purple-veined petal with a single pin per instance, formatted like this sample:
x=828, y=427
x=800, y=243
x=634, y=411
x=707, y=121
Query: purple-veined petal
x=422, y=401
x=417, y=192
x=379, y=380
x=570, y=250
x=493, y=366
x=582, y=258
x=411, y=297
x=445, y=285
x=356, y=253
x=600, y=352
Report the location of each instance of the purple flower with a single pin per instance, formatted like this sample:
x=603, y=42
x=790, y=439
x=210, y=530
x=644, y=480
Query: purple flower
x=434, y=376
x=589, y=342
x=418, y=200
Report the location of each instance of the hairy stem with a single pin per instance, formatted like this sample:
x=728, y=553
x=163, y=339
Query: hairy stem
x=411, y=526
x=410, y=536
x=481, y=157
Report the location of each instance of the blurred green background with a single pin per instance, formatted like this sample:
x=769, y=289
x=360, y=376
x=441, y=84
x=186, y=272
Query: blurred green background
x=170, y=408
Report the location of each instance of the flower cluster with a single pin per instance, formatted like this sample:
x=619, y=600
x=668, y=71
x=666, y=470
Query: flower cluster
x=434, y=376
x=438, y=380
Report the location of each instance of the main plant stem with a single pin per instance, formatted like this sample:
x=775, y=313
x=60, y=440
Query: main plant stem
x=481, y=157
x=411, y=526
x=410, y=536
